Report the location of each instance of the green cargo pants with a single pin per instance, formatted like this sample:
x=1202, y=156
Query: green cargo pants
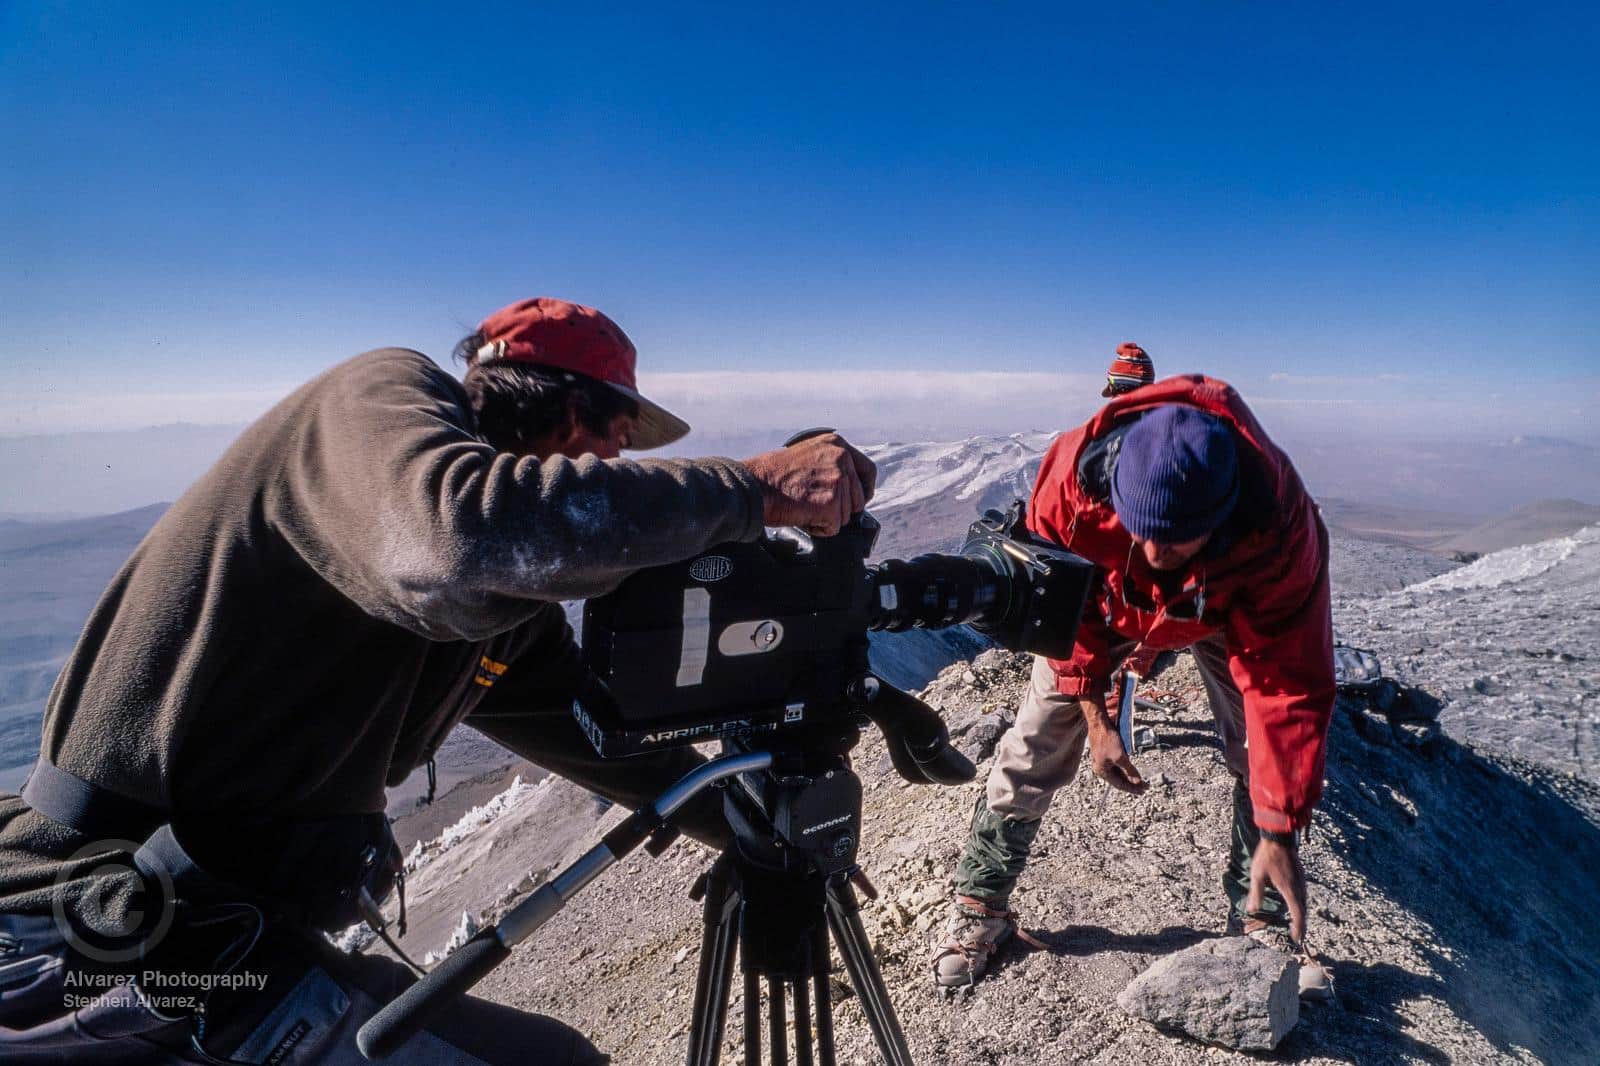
x=1040, y=754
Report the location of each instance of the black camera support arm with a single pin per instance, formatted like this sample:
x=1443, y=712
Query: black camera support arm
x=914, y=733
x=408, y=1012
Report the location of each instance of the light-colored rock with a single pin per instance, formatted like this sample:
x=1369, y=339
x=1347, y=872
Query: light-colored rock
x=1232, y=992
x=992, y=661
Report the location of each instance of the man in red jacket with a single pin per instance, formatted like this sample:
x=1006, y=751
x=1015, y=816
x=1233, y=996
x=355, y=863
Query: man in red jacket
x=1207, y=540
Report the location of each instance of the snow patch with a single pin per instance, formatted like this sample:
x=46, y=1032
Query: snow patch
x=465, y=930
x=471, y=822
x=354, y=939
x=1513, y=564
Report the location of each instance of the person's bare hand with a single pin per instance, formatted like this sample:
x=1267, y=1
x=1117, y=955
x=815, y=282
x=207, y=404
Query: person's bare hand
x=1141, y=661
x=1280, y=865
x=818, y=484
x=1111, y=763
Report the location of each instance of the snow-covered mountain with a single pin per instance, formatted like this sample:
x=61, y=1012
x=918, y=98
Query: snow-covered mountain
x=963, y=470
x=1450, y=884
x=929, y=493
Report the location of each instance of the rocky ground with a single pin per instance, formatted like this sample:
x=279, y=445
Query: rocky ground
x=1360, y=569
x=1451, y=893
x=1510, y=644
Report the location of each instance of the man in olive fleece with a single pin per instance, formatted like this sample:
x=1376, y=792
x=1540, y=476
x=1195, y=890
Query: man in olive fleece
x=377, y=559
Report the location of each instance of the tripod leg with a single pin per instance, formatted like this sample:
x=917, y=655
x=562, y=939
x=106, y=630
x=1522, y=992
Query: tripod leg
x=802, y=1020
x=779, y=1034
x=844, y=918
x=752, y=1018
x=824, y=996
x=718, y=938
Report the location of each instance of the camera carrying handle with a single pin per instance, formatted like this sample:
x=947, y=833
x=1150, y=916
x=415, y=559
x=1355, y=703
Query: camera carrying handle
x=410, y=1011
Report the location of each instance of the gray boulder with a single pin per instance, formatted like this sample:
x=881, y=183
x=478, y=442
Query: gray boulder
x=977, y=741
x=1233, y=992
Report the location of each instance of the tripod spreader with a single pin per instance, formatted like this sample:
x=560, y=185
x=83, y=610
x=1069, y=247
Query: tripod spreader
x=469, y=964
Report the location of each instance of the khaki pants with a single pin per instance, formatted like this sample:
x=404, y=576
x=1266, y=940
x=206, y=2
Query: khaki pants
x=1039, y=755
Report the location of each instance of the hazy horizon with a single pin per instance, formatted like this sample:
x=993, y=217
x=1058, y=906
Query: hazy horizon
x=1381, y=227
x=1369, y=451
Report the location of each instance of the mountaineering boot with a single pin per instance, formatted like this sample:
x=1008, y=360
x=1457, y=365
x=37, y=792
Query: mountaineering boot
x=1316, y=983
x=973, y=933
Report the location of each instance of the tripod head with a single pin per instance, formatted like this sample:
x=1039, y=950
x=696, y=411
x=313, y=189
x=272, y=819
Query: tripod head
x=800, y=816
x=805, y=807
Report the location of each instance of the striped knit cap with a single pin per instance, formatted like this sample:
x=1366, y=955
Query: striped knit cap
x=1130, y=369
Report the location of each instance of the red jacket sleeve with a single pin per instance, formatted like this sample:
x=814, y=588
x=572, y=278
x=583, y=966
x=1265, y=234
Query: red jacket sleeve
x=1281, y=649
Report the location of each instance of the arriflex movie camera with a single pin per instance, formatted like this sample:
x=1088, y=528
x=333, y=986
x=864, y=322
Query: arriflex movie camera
x=762, y=637
x=763, y=647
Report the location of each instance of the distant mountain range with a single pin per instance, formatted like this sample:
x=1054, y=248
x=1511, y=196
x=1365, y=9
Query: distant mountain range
x=1536, y=521
x=1475, y=474
x=51, y=575
x=1482, y=477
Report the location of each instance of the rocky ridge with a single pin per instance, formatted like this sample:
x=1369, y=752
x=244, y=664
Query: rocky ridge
x=1449, y=893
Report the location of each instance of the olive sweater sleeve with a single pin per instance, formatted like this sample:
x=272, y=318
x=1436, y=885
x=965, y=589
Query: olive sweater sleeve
x=387, y=494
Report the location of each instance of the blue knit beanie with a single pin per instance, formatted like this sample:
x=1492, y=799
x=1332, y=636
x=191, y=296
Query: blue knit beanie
x=1177, y=475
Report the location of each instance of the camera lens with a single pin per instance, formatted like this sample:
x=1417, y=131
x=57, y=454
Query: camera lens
x=936, y=591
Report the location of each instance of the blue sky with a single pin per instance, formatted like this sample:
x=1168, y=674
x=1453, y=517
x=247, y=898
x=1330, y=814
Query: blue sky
x=202, y=206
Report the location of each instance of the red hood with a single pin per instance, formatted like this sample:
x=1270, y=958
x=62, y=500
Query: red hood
x=1209, y=395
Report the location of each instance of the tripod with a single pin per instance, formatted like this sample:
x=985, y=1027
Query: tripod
x=780, y=920
x=776, y=894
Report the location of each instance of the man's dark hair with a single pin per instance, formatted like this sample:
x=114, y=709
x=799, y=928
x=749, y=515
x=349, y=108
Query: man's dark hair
x=516, y=403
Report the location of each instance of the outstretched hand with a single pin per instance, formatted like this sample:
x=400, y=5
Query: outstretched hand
x=1280, y=865
x=818, y=484
x=1111, y=762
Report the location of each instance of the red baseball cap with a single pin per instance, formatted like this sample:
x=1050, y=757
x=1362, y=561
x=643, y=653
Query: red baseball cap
x=568, y=336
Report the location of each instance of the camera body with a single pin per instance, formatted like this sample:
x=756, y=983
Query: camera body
x=761, y=637
x=746, y=638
